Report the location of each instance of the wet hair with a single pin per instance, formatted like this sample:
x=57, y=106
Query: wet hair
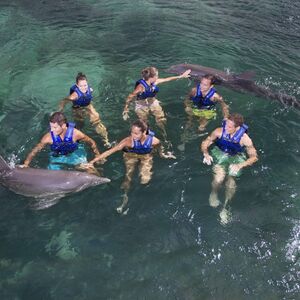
x=210, y=77
x=58, y=117
x=80, y=76
x=141, y=125
x=237, y=119
x=149, y=72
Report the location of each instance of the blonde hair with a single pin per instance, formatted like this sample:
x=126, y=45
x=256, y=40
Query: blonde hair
x=149, y=72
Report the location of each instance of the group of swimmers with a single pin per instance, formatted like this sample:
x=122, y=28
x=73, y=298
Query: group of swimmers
x=231, y=140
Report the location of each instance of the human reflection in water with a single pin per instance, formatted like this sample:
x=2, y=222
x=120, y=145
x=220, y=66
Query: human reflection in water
x=231, y=140
x=138, y=150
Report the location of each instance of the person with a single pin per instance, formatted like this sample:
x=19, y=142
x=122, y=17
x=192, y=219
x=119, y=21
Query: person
x=231, y=141
x=81, y=98
x=63, y=139
x=137, y=148
x=202, y=100
x=145, y=97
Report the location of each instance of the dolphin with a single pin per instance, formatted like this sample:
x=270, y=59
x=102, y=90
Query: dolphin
x=44, y=185
x=238, y=82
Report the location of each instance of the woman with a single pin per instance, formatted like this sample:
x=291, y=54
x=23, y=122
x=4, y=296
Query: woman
x=138, y=148
x=81, y=98
x=145, y=93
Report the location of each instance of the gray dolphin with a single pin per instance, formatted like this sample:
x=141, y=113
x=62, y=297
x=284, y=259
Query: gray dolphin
x=44, y=185
x=240, y=82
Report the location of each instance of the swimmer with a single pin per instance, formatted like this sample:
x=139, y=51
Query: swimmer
x=63, y=139
x=138, y=149
x=200, y=103
x=145, y=97
x=229, y=158
x=81, y=98
x=202, y=100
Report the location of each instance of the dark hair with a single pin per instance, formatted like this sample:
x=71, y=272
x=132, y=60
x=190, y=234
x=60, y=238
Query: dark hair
x=80, y=76
x=140, y=124
x=149, y=72
x=210, y=77
x=58, y=117
x=237, y=119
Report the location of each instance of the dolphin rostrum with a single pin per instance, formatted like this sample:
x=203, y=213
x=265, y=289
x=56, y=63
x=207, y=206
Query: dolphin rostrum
x=240, y=82
x=45, y=185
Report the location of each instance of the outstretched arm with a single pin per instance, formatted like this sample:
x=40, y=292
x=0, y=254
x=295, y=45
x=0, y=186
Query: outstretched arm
x=224, y=106
x=251, y=152
x=124, y=143
x=160, y=149
x=139, y=89
x=65, y=100
x=207, y=143
x=44, y=141
x=83, y=137
x=186, y=74
x=188, y=103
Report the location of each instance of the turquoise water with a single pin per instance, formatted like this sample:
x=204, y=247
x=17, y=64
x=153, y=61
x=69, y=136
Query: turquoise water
x=171, y=244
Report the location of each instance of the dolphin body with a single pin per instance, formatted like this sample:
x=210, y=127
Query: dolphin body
x=240, y=82
x=46, y=186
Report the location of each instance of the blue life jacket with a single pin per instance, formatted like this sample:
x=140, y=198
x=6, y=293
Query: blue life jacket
x=140, y=148
x=203, y=102
x=83, y=99
x=150, y=90
x=231, y=145
x=59, y=147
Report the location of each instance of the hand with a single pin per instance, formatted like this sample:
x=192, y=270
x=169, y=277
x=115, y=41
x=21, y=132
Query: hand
x=207, y=160
x=23, y=166
x=188, y=110
x=125, y=115
x=98, y=160
x=169, y=155
x=186, y=74
x=234, y=168
x=86, y=165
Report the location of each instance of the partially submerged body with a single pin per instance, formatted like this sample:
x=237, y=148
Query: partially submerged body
x=145, y=97
x=82, y=106
x=229, y=158
x=137, y=151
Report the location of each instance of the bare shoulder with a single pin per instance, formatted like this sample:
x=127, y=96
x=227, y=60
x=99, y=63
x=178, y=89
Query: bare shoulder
x=46, y=139
x=126, y=142
x=73, y=96
x=217, y=97
x=217, y=132
x=193, y=91
x=213, y=136
x=155, y=141
x=78, y=135
x=139, y=88
x=246, y=140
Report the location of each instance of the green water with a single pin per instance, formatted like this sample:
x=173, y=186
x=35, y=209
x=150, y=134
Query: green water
x=171, y=244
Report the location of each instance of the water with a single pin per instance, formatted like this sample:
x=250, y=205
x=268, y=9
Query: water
x=171, y=244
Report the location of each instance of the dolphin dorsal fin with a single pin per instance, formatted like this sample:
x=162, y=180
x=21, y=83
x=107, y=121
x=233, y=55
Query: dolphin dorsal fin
x=248, y=75
x=3, y=165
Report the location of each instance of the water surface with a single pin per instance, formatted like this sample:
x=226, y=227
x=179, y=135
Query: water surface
x=171, y=244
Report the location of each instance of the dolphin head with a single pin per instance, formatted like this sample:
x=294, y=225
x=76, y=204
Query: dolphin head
x=82, y=180
x=177, y=69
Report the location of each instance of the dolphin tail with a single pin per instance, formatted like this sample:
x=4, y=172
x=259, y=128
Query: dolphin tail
x=246, y=75
x=3, y=165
